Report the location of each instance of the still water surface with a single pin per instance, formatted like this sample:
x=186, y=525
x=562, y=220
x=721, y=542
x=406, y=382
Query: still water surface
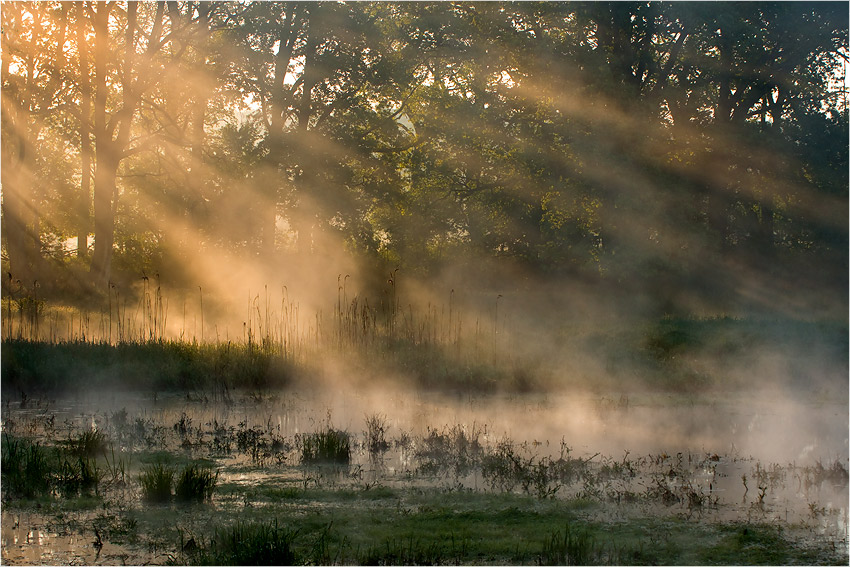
x=755, y=456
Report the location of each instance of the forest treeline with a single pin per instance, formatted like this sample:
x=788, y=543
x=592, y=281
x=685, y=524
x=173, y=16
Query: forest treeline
x=691, y=149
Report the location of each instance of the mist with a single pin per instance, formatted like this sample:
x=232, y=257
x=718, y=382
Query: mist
x=580, y=259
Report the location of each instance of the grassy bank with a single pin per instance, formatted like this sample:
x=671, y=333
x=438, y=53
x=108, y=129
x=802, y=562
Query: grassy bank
x=681, y=355
x=41, y=367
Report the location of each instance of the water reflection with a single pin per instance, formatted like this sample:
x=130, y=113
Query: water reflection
x=736, y=458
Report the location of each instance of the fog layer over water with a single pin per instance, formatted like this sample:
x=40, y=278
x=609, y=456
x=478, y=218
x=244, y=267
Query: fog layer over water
x=743, y=457
x=752, y=425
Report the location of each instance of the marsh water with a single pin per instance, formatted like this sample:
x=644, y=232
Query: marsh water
x=735, y=458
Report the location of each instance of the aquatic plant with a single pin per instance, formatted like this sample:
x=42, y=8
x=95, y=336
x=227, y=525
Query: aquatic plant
x=834, y=473
x=78, y=476
x=25, y=467
x=570, y=548
x=249, y=544
x=195, y=482
x=157, y=480
x=456, y=449
x=116, y=468
x=89, y=443
x=502, y=467
x=328, y=446
x=251, y=442
x=376, y=428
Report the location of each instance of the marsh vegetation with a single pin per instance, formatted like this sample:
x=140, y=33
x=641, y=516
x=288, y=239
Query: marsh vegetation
x=424, y=283
x=289, y=476
x=401, y=441
x=383, y=437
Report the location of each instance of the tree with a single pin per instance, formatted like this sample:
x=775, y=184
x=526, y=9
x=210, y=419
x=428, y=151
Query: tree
x=321, y=75
x=32, y=84
x=642, y=144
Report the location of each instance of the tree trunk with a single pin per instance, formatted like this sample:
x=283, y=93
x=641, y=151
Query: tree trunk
x=305, y=216
x=83, y=223
x=20, y=224
x=287, y=39
x=108, y=151
x=765, y=228
x=197, y=180
x=724, y=101
x=106, y=172
x=20, y=212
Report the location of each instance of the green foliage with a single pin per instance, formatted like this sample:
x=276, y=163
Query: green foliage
x=328, y=446
x=566, y=139
x=26, y=468
x=195, y=482
x=569, y=548
x=248, y=543
x=157, y=480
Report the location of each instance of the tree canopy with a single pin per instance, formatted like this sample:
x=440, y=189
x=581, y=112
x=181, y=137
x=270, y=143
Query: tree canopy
x=685, y=150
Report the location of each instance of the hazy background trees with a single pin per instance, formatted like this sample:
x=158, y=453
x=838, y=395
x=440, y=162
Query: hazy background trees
x=691, y=156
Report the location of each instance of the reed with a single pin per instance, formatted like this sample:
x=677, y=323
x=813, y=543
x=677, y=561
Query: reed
x=328, y=446
x=90, y=443
x=247, y=543
x=78, y=476
x=25, y=467
x=424, y=341
x=196, y=483
x=376, y=429
x=569, y=547
x=157, y=480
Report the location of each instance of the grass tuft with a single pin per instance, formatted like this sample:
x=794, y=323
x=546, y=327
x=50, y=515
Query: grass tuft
x=376, y=429
x=329, y=446
x=250, y=544
x=569, y=548
x=78, y=476
x=89, y=443
x=156, y=481
x=412, y=550
x=196, y=482
x=25, y=468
